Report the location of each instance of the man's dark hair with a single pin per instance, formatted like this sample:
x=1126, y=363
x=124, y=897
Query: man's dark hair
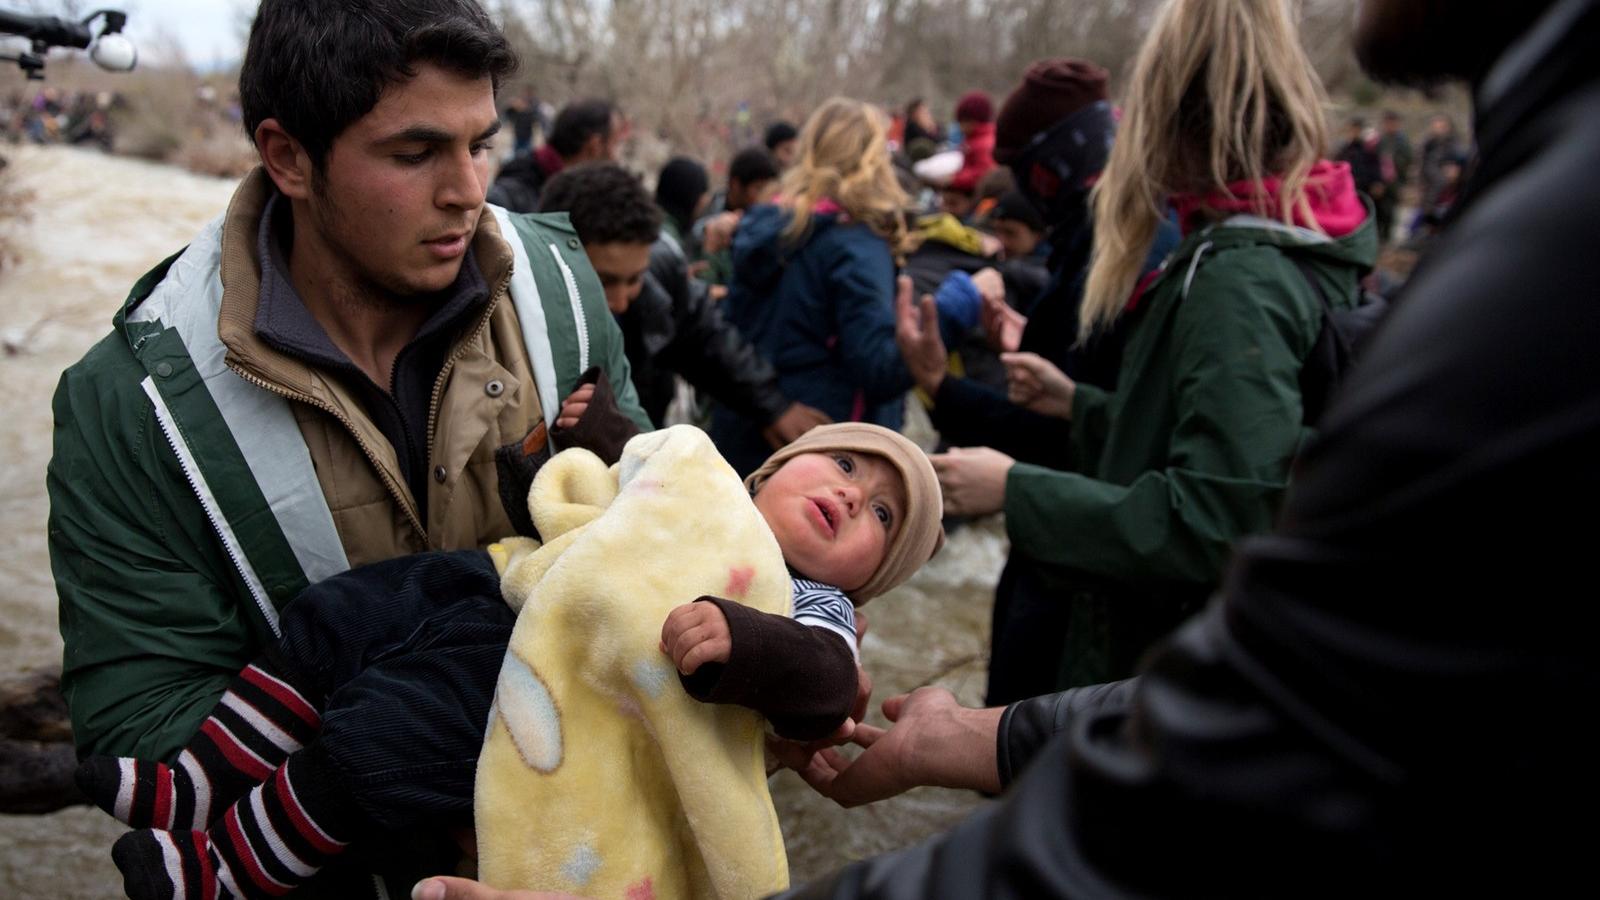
x=778, y=133
x=317, y=66
x=679, y=187
x=577, y=123
x=751, y=165
x=1014, y=207
x=607, y=204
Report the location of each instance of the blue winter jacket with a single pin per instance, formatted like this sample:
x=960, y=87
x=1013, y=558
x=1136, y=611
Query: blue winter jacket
x=821, y=310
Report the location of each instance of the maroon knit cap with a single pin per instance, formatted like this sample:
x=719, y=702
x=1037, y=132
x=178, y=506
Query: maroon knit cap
x=1051, y=90
x=975, y=106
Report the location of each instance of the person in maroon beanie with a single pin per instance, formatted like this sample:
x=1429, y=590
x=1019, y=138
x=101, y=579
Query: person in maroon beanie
x=1054, y=132
x=975, y=117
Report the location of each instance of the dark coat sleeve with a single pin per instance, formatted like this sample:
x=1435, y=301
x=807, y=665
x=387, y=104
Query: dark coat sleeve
x=861, y=287
x=1027, y=726
x=969, y=413
x=800, y=677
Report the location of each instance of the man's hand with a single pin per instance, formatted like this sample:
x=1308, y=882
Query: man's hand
x=916, y=330
x=573, y=408
x=991, y=285
x=973, y=480
x=447, y=888
x=1035, y=383
x=719, y=232
x=1002, y=325
x=934, y=741
x=695, y=634
x=795, y=421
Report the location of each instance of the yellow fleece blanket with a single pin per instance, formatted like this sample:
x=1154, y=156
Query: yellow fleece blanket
x=599, y=775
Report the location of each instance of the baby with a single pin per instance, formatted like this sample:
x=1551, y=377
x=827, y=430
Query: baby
x=368, y=715
x=856, y=511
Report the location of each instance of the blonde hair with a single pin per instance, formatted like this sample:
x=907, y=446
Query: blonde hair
x=844, y=157
x=1221, y=92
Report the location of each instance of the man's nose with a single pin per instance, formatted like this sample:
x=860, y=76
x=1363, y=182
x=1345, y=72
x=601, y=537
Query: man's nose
x=461, y=183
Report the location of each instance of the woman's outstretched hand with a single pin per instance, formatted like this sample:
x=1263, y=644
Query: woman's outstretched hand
x=1035, y=383
x=973, y=480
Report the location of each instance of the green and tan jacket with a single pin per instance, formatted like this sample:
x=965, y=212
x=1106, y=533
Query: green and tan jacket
x=201, y=479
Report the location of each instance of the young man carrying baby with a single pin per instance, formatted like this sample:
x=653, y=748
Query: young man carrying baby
x=287, y=771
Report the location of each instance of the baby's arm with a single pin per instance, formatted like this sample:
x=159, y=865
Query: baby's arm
x=802, y=678
x=589, y=418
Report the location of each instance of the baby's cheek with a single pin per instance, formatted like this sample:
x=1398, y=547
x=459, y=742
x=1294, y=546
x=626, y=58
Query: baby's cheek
x=871, y=556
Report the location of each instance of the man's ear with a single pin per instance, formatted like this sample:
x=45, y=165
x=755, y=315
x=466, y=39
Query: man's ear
x=286, y=161
x=594, y=148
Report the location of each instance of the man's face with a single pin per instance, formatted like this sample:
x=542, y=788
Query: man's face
x=621, y=267
x=602, y=147
x=834, y=514
x=611, y=142
x=743, y=196
x=403, y=187
x=1018, y=239
x=786, y=152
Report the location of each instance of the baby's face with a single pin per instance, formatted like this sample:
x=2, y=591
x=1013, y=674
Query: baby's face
x=834, y=514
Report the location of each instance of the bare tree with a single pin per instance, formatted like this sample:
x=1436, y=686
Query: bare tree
x=681, y=68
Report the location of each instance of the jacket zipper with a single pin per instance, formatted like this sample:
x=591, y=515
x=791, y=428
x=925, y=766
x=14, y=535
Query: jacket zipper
x=201, y=491
x=577, y=310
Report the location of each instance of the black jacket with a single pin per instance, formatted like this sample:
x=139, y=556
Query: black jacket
x=1365, y=167
x=674, y=327
x=518, y=185
x=1394, y=691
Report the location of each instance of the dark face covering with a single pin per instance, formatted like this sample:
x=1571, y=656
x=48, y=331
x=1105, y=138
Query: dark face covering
x=1056, y=169
x=1426, y=42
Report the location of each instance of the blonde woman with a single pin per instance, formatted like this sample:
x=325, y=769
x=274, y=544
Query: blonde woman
x=1223, y=124
x=814, y=280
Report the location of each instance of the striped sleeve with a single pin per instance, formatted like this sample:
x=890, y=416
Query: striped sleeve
x=825, y=606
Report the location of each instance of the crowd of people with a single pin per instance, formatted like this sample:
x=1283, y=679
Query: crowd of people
x=52, y=116
x=1386, y=166
x=1285, y=594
